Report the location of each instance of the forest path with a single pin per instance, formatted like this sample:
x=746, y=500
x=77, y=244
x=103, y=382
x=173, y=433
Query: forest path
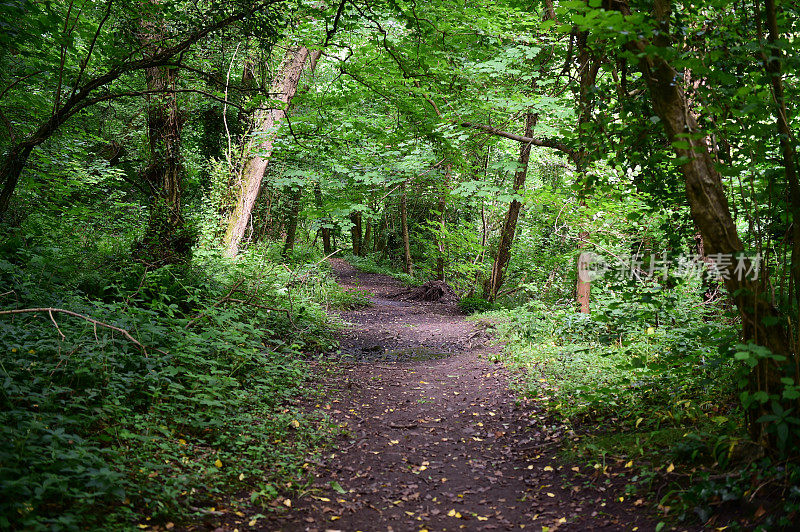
x=440, y=442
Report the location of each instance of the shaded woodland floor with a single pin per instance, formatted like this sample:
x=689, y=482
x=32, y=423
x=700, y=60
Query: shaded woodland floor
x=436, y=440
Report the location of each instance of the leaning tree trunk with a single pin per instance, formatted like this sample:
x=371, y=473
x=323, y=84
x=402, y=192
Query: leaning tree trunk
x=9, y=175
x=284, y=87
x=408, y=264
x=762, y=323
x=510, y=225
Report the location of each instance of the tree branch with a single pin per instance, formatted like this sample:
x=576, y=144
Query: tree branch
x=93, y=321
x=544, y=143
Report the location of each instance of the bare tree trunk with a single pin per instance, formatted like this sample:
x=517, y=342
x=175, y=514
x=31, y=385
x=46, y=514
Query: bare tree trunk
x=367, y=237
x=408, y=264
x=326, y=231
x=440, y=244
x=284, y=87
x=294, y=214
x=588, y=67
x=380, y=236
x=772, y=64
x=355, y=232
x=762, y=323
x=510, y=224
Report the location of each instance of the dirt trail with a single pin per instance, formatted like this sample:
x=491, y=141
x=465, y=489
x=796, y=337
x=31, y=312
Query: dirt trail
x=439, y=442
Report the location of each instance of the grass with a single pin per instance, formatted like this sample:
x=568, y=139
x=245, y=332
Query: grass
x=372, y=264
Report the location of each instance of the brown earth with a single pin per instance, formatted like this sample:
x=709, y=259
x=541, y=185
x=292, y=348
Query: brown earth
x=435, y=439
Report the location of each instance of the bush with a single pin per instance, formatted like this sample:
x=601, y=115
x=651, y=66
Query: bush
x=473, y=304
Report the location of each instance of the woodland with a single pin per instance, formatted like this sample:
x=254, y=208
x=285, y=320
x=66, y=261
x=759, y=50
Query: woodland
x=609, y=187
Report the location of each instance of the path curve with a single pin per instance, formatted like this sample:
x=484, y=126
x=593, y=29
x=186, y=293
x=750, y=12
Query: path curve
x=438, y=442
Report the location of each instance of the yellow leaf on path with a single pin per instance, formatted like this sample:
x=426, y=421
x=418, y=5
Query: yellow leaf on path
x=548, y=468
x=576, y=469
x=394, y=442
x=671, y=468
x=287, y=503
x=479, y=518
x=238, y=513
x=629, y=464
x=241, y=476
x=295, y=424
x=335, y=517
x=550, y=494
x=218, y=463
x=170, y=525
x=253, y=522
x=638, y=421
x=182, y=442
x=562, y=521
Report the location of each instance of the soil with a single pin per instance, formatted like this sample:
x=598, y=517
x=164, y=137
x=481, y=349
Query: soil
x=436, y=440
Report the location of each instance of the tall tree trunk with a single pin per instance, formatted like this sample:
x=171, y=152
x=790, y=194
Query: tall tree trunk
x=380, y=236
x=267, y=123
x=166, y=239
x=408, y=264
x=294, y=214
x=440, y=244
x=761, y=321
x=772, y=64
x=510, y=223
x=365, y=242
x=326, y=231
x=355, y=232
x=588, y=66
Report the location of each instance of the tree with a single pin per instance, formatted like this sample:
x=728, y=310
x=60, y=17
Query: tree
x=103, y=58
x=261, y=144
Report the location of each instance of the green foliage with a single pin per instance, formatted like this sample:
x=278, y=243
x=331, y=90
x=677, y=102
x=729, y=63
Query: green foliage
x=646, y=351
x=473, y=304
x=94, y=421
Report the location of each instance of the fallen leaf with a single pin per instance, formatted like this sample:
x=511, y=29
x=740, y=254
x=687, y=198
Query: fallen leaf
x=218, y=463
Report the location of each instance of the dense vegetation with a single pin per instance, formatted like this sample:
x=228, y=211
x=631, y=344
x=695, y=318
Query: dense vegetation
x=612, y=186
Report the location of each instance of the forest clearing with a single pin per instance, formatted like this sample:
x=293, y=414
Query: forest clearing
x=399, y=265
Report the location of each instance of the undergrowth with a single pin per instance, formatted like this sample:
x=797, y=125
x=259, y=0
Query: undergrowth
x=102, y=431
x=646, y=384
